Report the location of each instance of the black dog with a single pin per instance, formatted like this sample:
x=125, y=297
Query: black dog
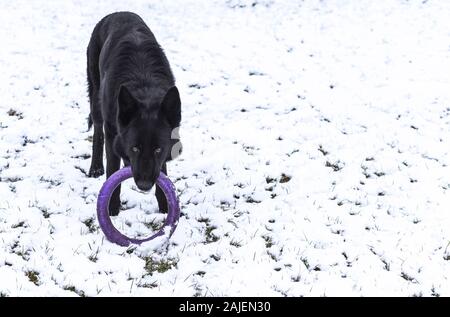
x=134, y=99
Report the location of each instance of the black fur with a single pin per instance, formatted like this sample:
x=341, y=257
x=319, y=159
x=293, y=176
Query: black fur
x=135, y=104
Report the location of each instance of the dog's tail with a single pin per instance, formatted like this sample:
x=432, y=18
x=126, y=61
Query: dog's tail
x=90, y=122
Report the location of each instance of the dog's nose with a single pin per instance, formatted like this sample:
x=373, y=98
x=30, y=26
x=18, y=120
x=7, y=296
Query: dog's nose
x=144, y=185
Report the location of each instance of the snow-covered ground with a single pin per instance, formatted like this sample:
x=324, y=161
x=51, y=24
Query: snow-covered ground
x=316, y=152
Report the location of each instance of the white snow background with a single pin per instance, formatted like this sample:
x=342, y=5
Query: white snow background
x=316, y=152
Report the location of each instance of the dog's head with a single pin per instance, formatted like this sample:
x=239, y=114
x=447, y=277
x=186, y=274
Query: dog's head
x=148, y=134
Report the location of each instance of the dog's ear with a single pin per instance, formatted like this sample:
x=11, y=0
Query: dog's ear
x=171, y=107
x=128, y=106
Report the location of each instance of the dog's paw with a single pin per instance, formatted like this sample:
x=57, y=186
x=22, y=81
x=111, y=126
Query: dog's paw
x=114, y=210
x=96, y=172
x=114, y=205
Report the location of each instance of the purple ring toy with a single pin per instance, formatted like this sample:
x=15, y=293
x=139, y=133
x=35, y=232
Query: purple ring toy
x=114, y=235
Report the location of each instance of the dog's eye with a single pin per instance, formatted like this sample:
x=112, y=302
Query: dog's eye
x=135, y=149
x=158, y=150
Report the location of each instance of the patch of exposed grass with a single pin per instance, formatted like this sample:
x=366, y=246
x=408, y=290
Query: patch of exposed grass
x=235, y=243
x=12, y=179
x=33, y=276
x=334, y=166
x=45, y=213
x=270, y=180
x=93, y=257
x=81, y=156
x=52, y=182
x=90, y=223
x=148, y=285
x=269, y=241
x=285, y=178
x=306, y=263
x=365, y=171
x=408, y=277
x=215, y=257
x=322, y=150
x=434, y=293
x=160, y=266
x=15, y=113
x=18, y=225
x=210, y=237
x=251, y=200
x=73, y=289
x=24, y=254
x=154, y=225
x=130, y=250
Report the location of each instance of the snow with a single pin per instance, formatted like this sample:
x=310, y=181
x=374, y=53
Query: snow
x=315, y=152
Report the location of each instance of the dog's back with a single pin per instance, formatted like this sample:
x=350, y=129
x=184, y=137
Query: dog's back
x=123, y=49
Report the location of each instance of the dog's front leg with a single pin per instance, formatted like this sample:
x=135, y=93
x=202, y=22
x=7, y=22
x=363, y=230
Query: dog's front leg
x=160, y=197
x=96, y=168
x=112, y=165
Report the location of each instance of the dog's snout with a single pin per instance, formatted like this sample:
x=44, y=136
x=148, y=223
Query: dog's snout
x=144, y=185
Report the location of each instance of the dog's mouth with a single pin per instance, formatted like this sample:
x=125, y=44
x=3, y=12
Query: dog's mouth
x=144, y=187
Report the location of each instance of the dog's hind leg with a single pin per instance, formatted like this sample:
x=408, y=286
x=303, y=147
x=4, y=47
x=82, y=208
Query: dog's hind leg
x=112, y=165
x=160, y=197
